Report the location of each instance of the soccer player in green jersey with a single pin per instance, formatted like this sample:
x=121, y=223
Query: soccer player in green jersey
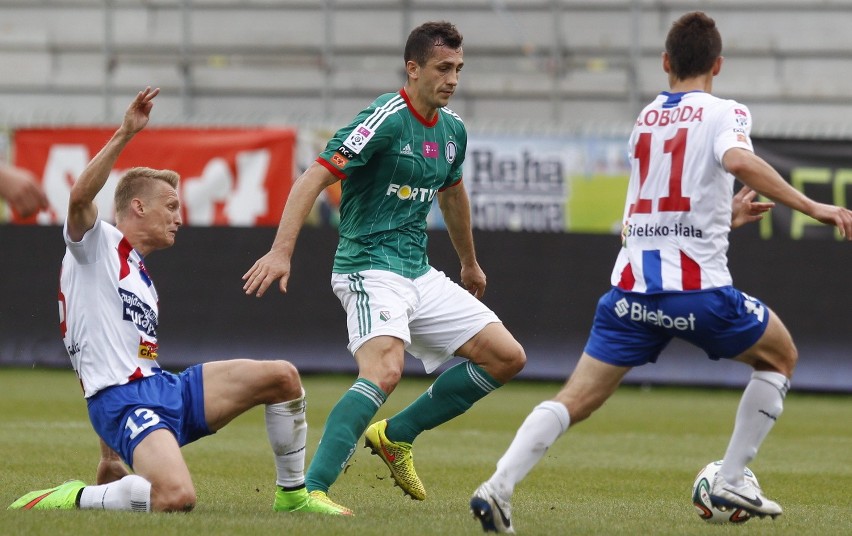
x=398, y=154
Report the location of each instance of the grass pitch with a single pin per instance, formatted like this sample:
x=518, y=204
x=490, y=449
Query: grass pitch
x=628, y=470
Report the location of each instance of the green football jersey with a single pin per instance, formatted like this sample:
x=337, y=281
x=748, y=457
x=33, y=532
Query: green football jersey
x=392, y=163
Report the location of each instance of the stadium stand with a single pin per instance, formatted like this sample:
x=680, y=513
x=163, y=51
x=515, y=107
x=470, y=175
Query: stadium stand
x=544, y=63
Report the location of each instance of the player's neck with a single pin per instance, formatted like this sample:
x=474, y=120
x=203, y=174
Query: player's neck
x=135, y=237
x=699, y=83
x=426, y=111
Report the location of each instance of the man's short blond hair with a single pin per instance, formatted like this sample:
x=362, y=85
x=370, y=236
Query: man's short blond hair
x=137, y=181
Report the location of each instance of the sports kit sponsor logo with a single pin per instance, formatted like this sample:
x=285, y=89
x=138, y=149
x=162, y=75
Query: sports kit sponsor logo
x=647, y=229
x=430, y=149
x=339, y=161
x=506, y=521
x=138, y=312
x=754, y=501
x=358, y=138
x=345, y=152
x=406, y=149
x=148, y=350
x=390, y=457
x=30, y=505
x=640, y=313
x=407, y=193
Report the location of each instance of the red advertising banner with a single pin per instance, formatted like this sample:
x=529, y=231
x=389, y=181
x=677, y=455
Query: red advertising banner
x=229, y=177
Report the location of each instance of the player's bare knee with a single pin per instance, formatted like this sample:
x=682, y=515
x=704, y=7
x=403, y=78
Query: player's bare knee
x=512, y=361
x=177, y=499
x=388, y=378
x=287, y=380
x=783, y=361
x=518, y=358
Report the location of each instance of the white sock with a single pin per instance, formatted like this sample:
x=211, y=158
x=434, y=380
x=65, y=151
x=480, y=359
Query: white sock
x=129, y=493
x=539, y=431
x=760, y=407
x=288, y=432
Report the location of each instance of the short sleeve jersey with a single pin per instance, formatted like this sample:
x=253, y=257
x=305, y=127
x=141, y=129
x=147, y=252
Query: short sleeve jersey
x=392, y=163
x=107, y=310
x=677, y=215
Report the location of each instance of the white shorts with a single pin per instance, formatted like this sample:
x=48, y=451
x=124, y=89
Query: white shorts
x=432, y=315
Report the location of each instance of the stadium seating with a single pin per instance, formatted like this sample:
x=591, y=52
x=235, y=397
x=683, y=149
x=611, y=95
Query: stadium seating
x=561, y=63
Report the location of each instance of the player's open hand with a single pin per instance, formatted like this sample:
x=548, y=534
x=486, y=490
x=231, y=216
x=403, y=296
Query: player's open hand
x=744, y=209
x=21, y=189
x=139, y=111
x=839, y=217
x=274, y=265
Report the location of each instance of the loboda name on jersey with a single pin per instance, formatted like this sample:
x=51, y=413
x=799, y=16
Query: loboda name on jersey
x=668, y=116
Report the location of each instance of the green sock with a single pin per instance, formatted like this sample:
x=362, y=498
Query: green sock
x=453, y=393
x=345, y=424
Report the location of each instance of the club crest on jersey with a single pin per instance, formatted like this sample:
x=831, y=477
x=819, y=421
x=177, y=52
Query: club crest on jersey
x=358, y=138
x=450, y=151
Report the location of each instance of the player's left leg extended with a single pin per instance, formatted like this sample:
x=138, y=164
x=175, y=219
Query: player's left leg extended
x=232, y=387
x=494, y=358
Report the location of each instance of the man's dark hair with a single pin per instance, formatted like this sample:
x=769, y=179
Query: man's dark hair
x=425, y=37
x=693, y=44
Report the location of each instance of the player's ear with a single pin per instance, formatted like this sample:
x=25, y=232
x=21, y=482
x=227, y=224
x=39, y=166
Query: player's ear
x=412, y=69
x=138, y=206
x=717, y=65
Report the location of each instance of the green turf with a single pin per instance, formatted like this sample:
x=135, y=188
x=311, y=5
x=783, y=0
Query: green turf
x=628, y=470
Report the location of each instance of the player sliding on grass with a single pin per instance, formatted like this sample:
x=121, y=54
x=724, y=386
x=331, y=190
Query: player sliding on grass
x=671, y=277
x=109, y=316
x=397, y=155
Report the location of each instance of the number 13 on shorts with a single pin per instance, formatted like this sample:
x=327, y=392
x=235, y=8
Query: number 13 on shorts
x=141, y=419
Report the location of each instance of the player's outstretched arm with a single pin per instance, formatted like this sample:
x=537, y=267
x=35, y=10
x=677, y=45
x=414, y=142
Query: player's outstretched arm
x=275, y=265
x=758, y=175
x=82, y=211
x=455, y=207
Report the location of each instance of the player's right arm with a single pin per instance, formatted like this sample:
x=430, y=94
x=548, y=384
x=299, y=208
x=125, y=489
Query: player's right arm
x=82, y=211
x=758, y=175
x=110, y=467
x=276, y=263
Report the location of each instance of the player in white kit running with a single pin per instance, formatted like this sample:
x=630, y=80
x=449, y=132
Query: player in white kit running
x=671, y=277
x=109, y=316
